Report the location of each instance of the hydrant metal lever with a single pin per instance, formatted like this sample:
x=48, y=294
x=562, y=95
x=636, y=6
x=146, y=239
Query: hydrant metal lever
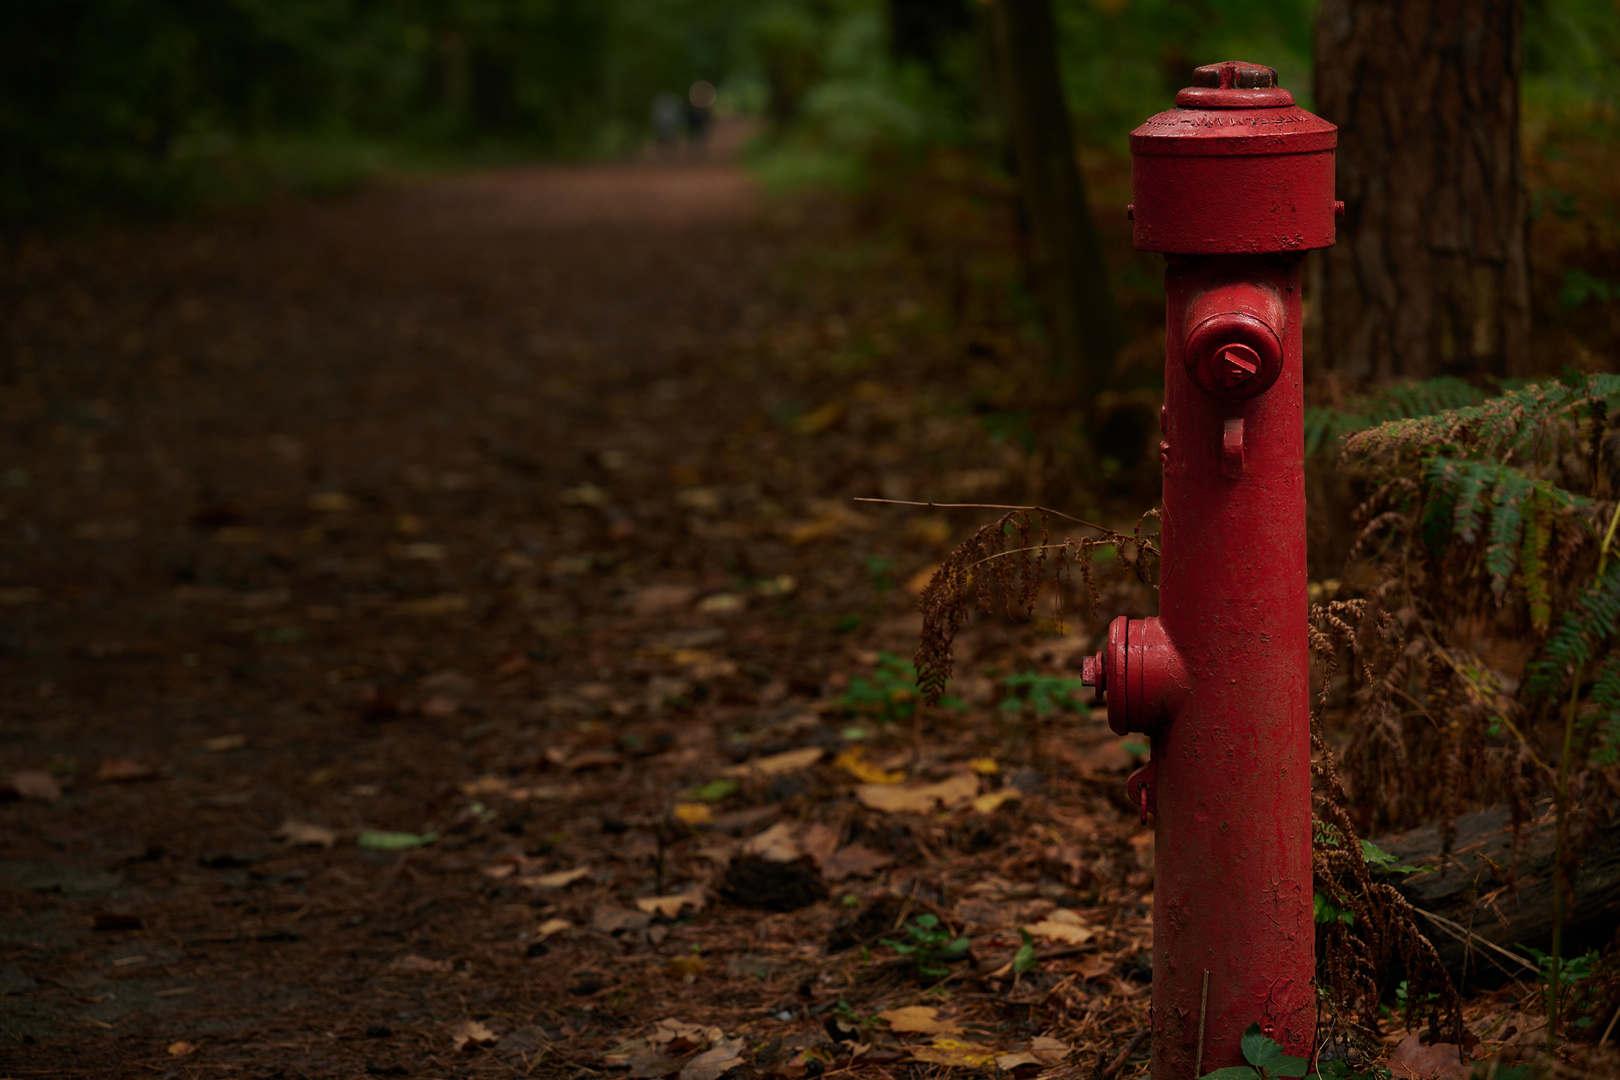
x=1233, y=186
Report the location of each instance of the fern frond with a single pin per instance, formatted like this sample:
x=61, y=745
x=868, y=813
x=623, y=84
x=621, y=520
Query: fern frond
x=1533, y=568
x=1498, y=428
x=1325, y=426
x=1499, y=500
x=1606, y=696
x=1589, y=623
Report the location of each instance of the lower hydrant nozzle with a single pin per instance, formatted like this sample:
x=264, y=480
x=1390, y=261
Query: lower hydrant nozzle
x=1141, y=674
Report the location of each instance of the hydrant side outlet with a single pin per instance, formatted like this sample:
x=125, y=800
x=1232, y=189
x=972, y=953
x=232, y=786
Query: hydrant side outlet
x=1233, y=185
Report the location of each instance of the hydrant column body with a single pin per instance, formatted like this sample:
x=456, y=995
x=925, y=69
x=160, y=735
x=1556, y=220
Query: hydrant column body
x=1234, y=186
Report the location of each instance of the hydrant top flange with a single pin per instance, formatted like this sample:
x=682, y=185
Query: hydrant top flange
x=1235, y=168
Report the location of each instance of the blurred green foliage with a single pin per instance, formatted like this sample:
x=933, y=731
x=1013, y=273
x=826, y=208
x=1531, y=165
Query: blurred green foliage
x=138, y=105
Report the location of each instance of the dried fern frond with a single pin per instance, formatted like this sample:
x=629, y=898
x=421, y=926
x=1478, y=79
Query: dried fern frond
x=1324, y=426
x=1501, y=428
x=1009, y=578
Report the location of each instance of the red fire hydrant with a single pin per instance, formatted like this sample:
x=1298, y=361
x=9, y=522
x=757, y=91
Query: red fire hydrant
x=1233, y=185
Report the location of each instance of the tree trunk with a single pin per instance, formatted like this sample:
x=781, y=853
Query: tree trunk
x=1069, y=274
x=1430, y=275
x=1498, y=886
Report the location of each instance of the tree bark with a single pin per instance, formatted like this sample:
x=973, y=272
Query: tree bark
x=1498, y=885
x=1070, y=277
x=1430, y=274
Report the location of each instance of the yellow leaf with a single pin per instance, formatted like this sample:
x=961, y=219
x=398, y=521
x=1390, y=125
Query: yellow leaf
x=987, y=802
x=853, y=761
x=694, y=813
x=984, y=766
x=181, y=1049
x=947, y=1051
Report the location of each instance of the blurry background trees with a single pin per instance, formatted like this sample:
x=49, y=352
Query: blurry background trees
x=118, y=107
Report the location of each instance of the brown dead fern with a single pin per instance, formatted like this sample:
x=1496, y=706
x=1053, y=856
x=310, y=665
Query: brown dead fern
x=1003, y=565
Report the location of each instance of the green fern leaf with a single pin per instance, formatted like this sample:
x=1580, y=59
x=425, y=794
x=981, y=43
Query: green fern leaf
x=1606, y=696
x=1585, y=627
x=1533, y=568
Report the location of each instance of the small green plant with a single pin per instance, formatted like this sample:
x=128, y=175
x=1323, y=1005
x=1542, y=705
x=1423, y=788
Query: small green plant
x=891, y=693
x=1574, y=983
x=929, y=947
x=1042, y=695
x=881, y=569
x=1266, y=1060
x=1025, y=959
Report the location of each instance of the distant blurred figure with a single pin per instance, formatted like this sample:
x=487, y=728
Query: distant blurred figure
x=699, y=112
x=666, y=115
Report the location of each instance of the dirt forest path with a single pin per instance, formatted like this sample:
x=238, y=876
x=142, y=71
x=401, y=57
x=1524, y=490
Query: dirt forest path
x=395, y=593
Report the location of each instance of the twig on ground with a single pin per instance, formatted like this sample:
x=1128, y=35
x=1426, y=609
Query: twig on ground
x=1124, y=1055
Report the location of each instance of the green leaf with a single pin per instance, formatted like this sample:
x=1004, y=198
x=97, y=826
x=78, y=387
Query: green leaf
x=1253, y=1045
x=1232, y=1072
x=1024, y=960
x=380, y=840
x=1287, y=1065
x=1326, y=911
x=713, y=791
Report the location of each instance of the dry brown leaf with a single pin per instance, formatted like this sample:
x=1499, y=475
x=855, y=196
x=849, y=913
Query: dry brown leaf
x=34, y=784
x=471, y=1034
x=1063, y=925
x=853, y=860
x=552, y=926
x=120, y=770
x=1049, y=1050
x=819, y=841
x=657, y=599
x=919, y=1018
x=1412, y=1060
x=720, y=1058
x=306, y=834
x=499, y=871
x=441, y=604
x=1008, y=1062
x=559, y=879
x=670, y=906
x=182, y=1048
x=411, y=964
x=777, y=764
x=775, y=844
x=678, y=1037
x=219, y=744
x=611, y=920
x=922, y=799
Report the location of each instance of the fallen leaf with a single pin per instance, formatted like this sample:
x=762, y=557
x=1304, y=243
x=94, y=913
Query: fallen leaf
x=584, y=495
x=330, y=502
x=713, y=791
x=221, y=743
x=559, y=879
x=1008, y=1062
x=990, y=801
x=552, y=926
x=382, y=840
x=693, y=813
x=963, y=1055
x=775, y=844
x=1051, y=1051
x=1063, y=925
x=611, y=920
x=120, y=770
x=678, y=1037
x=670, y=906
x=657, y=599
x=985, y=766
x=853, y=761
x=34, y=784
x=722, y=604
x=819, y=841
x=919, y=1018
x=814, y=423
x=922, y=799
x=719, y=1058
x=471, y=1034
x=853, y=860
x=411, y=964
x=777, y=764
x=306, y=834
x=685, y=965
x=182, y=1048
x=441, y=604
x=1411, y=1060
